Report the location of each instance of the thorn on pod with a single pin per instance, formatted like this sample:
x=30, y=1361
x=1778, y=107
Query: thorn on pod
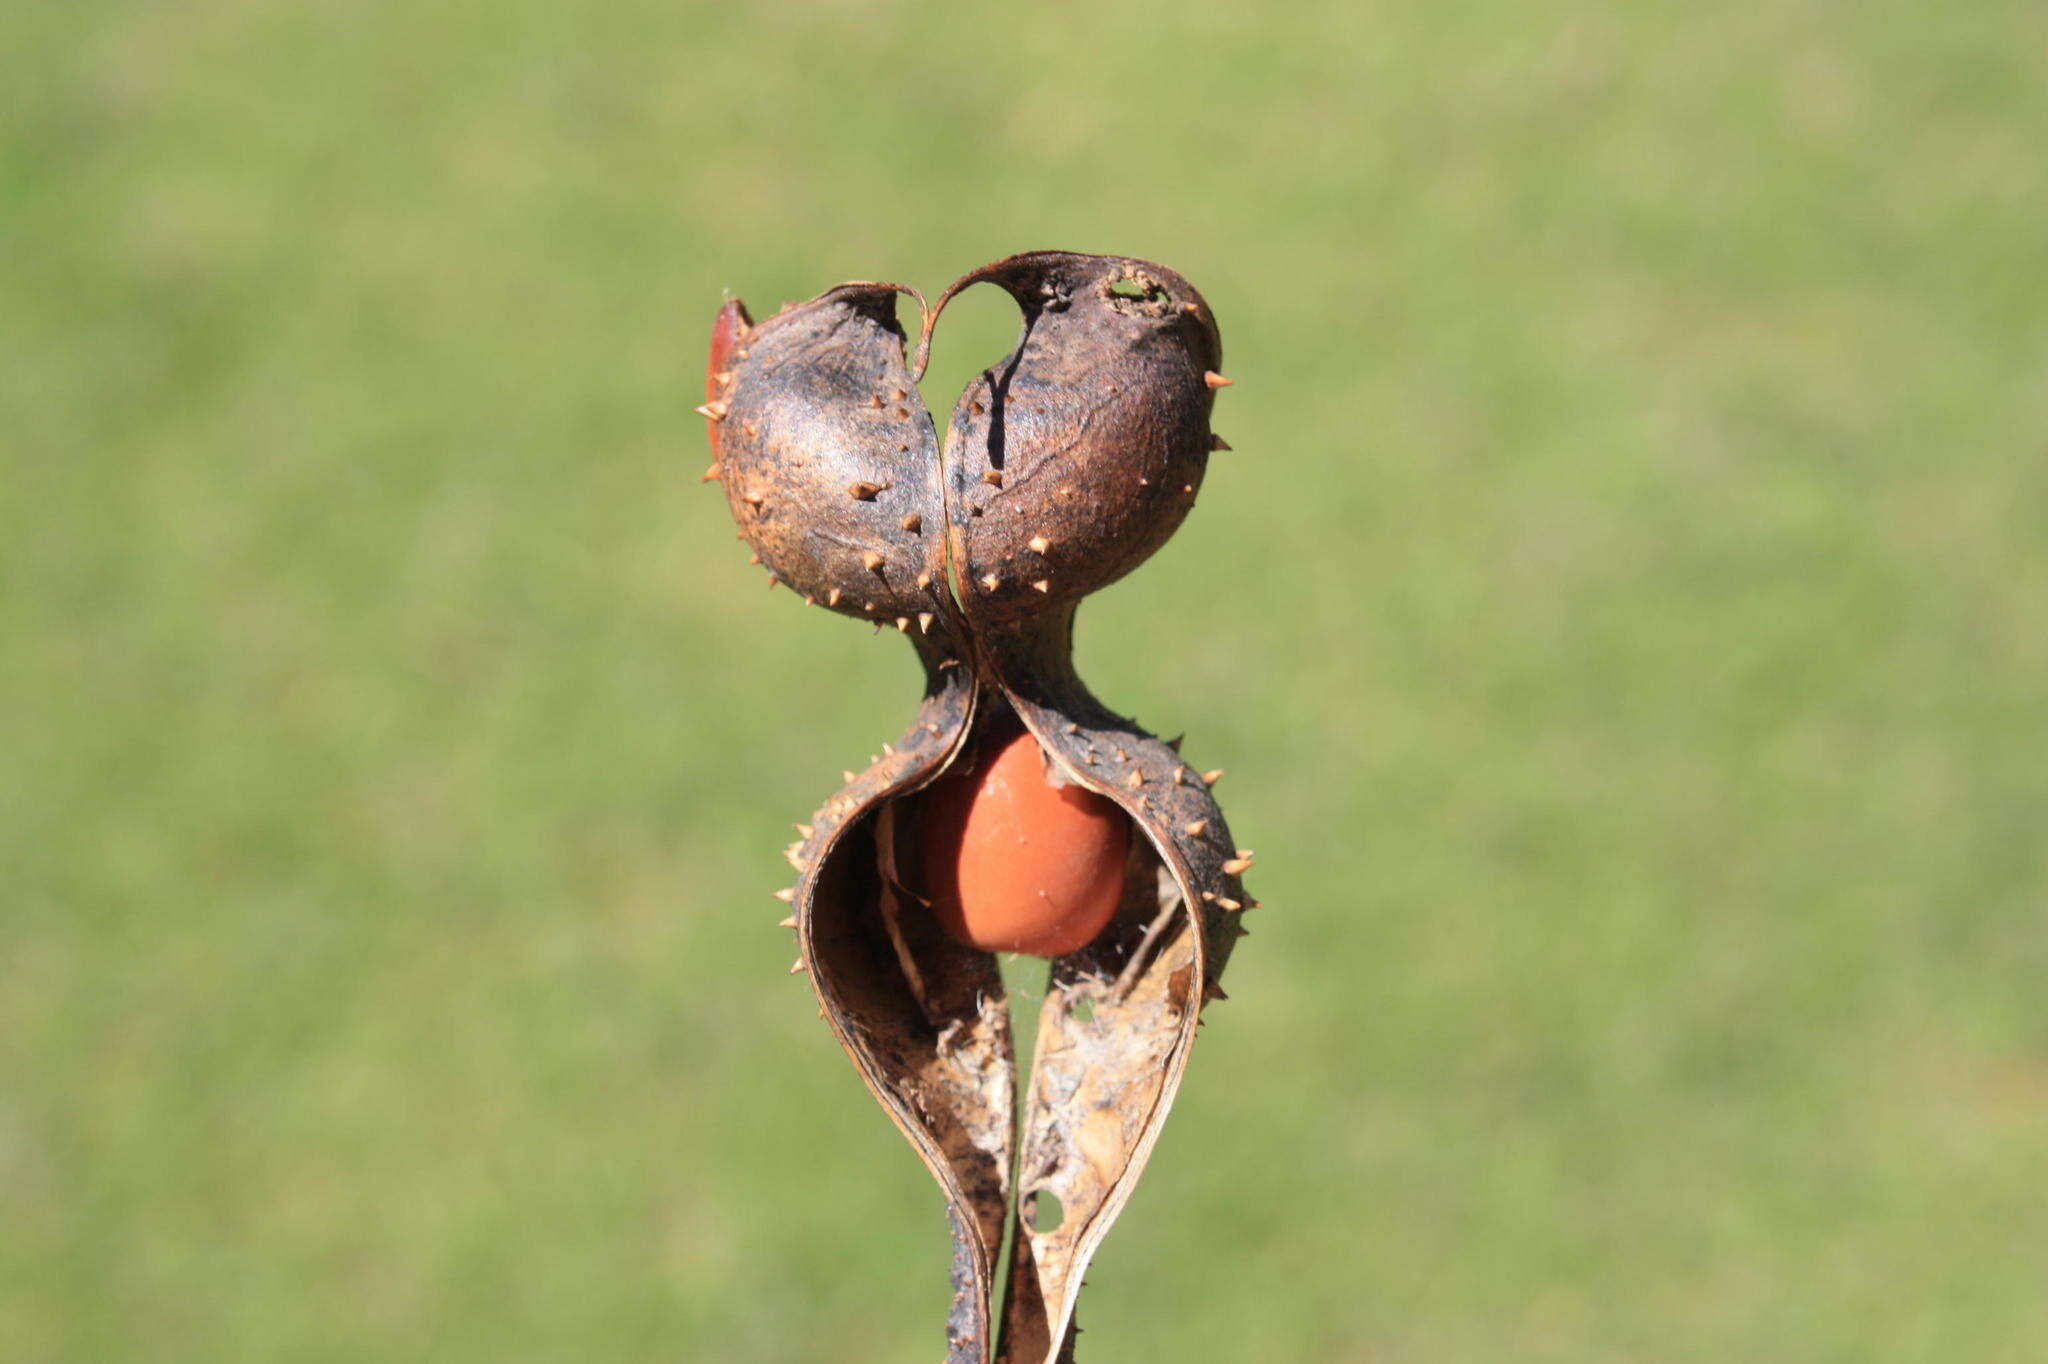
x=873, y=562
x=1211, y=990
x=711, y=475
x=790, y=922
x=1180, y=776
x=1042, y=585
x=903, y=624
x=832, y=597
x=990, y=582
x=715, y=411
x=1135, y=780
x=791, y=854
x=924, y=580
x=806, y=830
x=1237, y=866
x=1195, y=828
x=913, y=523
x=754, y=558
x=992, y=477
x=1217, y=442
x=848, y=775
x=1225, y=902
x=796, y=967
x=863, y=491
x=723, y=377
x=787, y=895
x=924, y=621
x=752, y=497
x=1039, y=544
x=1212, y=776
x=1214, y=380
x=1209, y=897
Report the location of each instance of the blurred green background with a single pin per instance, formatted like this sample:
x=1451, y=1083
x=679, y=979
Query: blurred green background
x=1624, y=621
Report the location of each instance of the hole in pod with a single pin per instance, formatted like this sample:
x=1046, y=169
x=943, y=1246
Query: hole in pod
x=1043, y=1213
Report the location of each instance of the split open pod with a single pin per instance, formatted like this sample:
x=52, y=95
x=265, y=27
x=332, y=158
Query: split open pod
x=1017, y=812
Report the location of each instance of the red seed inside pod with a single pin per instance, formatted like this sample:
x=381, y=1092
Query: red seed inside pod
x=1013, y=863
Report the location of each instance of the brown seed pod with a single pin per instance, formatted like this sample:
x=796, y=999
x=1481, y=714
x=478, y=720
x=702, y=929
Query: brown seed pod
x=1068, y=464
x=1076, y=457
x=829, y=458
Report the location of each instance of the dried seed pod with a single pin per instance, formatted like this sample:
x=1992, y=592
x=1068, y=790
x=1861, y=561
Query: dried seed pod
x=829, y=458
x=1076, y=457
x=1069, y=463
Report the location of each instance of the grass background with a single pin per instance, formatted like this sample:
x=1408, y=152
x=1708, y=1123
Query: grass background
x=1624, y=620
